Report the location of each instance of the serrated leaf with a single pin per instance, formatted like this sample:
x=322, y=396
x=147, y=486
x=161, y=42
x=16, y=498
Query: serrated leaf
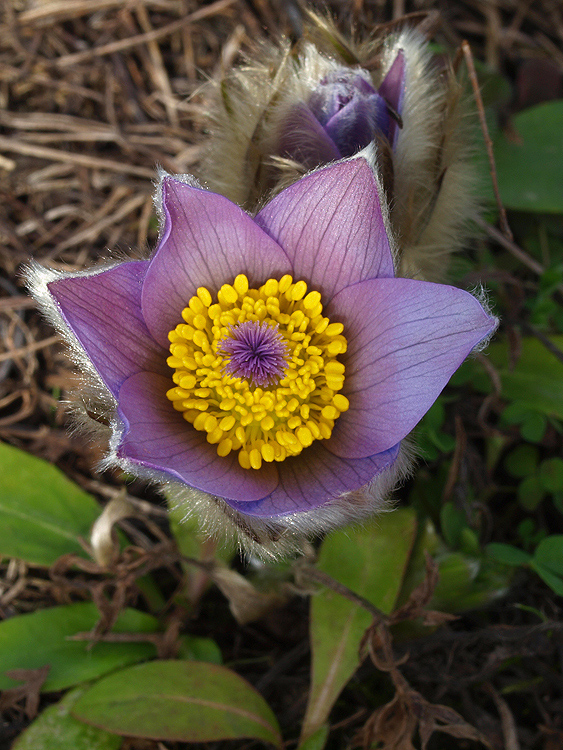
x=34, y=640
x=370, y=560
x=529, y=162
x=42, y=513
x=56, y=728
x=182, y=701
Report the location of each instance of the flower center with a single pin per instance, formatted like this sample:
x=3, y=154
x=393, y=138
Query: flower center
x=257, y=370
x=256, y=352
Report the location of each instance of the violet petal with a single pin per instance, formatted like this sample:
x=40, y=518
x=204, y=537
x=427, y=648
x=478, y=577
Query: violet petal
x=392, y=89
x=336, y=90
x=330, y=224
x=315, y=478
x=405, y=340
x=118, y=346
x=159, y=438
x=304, y=139
x=206, y=241
x=357, y=123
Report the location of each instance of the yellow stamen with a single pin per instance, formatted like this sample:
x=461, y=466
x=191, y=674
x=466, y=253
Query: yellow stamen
x=266, y=423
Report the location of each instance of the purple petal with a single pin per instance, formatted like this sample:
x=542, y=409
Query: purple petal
x=315, y=478
x=206, y=241
x=159, y=438
x=357, y=123
x=304, y=139
x=392, y=89
x=118, y=345
x=336, y=90
x=405, y=340
x=330, y=225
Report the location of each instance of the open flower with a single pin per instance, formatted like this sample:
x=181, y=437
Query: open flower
x=272, y=363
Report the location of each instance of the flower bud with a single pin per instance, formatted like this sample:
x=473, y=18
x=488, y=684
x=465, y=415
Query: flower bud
x=293, y=109
x=350, y=113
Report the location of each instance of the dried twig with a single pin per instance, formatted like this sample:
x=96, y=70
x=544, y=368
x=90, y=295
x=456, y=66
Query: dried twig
x=466, y=50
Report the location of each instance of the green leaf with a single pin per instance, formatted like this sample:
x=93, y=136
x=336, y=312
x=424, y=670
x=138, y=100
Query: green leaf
x=530, y=493
x=533, y=426
x=549, y=553
x=551, y=474
x=467, y=583
x=523, y=460
x=469, y=542
x=316, y=741
x=452, y=521
x=194, y=543
x=535, y=383
x=199, y=649
x=554, y=582
x=42, y=513
x=183, y=701
x=507, y=554
x=43, y=637
x=370, y=560
x=191, y=541
x=529, y=165
x=56, y=728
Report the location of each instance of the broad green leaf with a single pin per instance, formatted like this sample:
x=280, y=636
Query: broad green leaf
x=529, y=163
x=549, y=553
x=370, y=560
x=551, y=474
x=42, y=513
x=522, y=461
x=554, y=582
x=452, y=521
x=536, y=382
x=56, y=728
x=533, y=427
x=466, y=582
x=34, y=640
x=530, y=492
x=469, y=542
x=199, y=649
x=507, y=554
x=184, y=701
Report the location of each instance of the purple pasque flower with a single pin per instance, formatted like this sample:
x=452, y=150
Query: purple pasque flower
x=274, y=363
x=343, y=114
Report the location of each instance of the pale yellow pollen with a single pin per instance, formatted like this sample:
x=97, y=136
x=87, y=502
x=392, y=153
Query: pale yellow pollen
x=263, y=423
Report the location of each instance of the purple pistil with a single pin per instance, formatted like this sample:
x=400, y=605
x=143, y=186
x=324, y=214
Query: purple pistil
x=256, y=351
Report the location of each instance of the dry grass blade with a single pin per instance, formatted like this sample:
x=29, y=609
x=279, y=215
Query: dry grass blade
x=83, y=160
x=55, y=11
x=123, y=44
